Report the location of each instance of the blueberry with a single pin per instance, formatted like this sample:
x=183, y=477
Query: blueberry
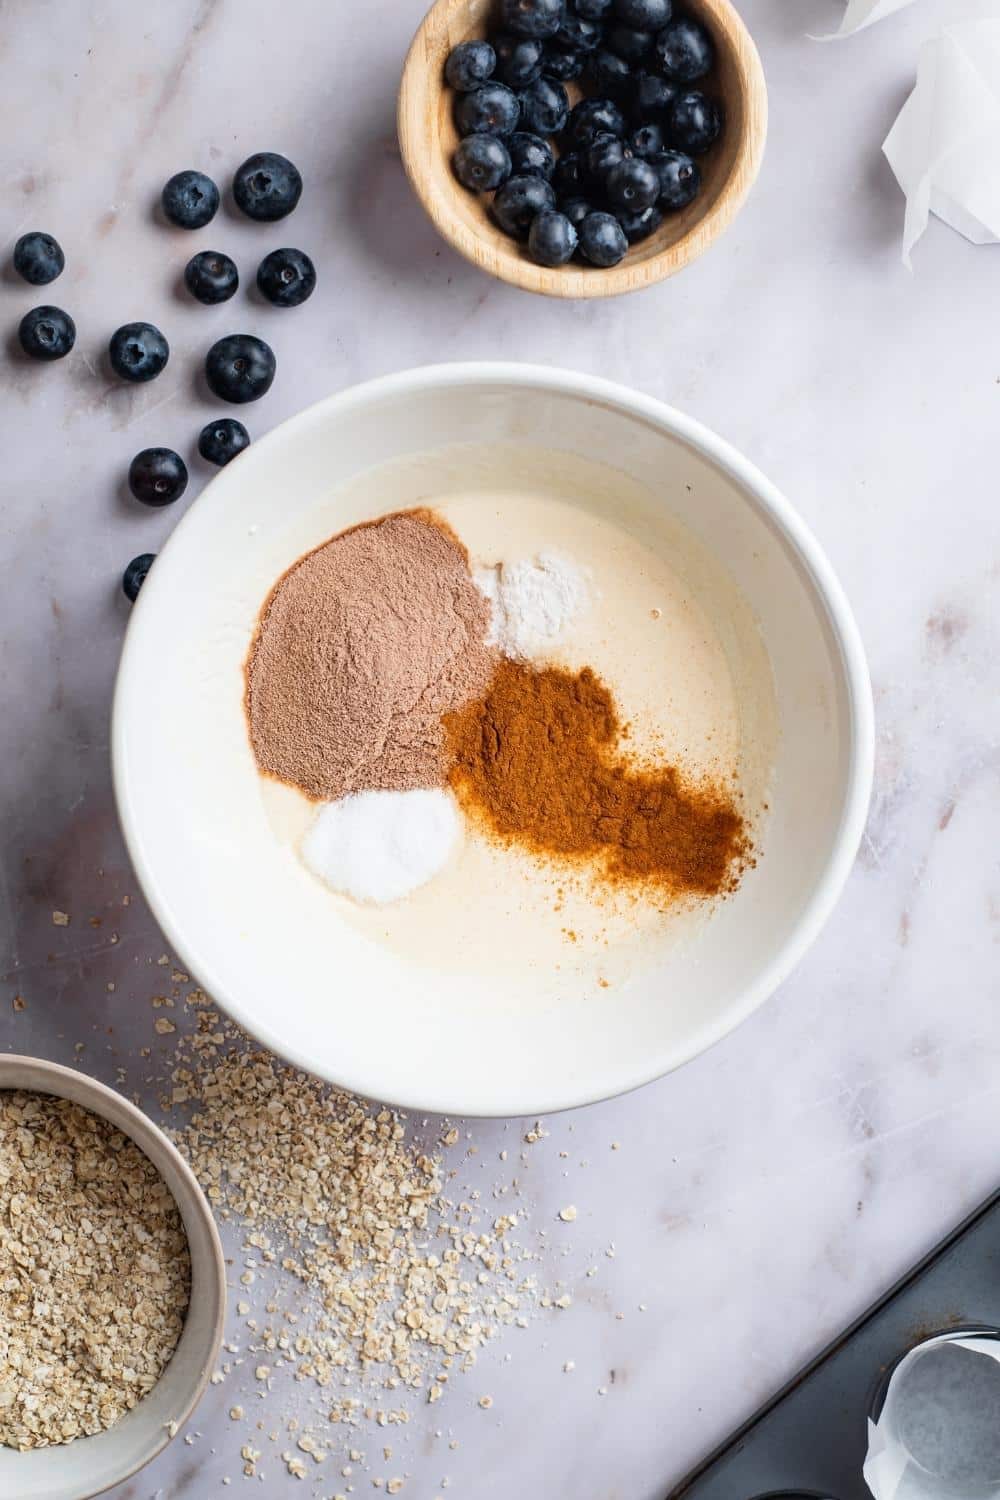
x=482, y=162
x=640, y=225
x=286, y=277
x=611, y=74
x=211, y=277
x=469, y=64
x=38, y=258
x=530, y=155
x=646, y=141
x=544, y=107
x=569, y=176
x=602, y=240
x=593, y=10
x=577, y=34
x=552, y=238
x=47, y=333
x=222, y=440
x=644, y=15
x=267, y=186
x=652, y=96
x=634, y=46
x=539, y=18
x=632, y=185
x=560, y=65
x=685, y=50
x=519, y=200
x=157, y=476
x=575, y=209
x=491, y=109
x=239, y=368
x=694, y=122
x=134, y=575
x=519, y=60
x=679, y=177
x=138, y=352
x=190, y=200
x=591, y=116
x=598, y=159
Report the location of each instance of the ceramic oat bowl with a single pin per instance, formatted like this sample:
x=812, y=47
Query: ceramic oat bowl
x=464, y=1025
x=87, y=1466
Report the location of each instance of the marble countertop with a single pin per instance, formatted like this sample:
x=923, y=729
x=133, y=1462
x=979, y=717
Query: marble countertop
x=765, y=1194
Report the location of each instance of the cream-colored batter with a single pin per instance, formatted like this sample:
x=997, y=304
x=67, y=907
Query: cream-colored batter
x=671, y=635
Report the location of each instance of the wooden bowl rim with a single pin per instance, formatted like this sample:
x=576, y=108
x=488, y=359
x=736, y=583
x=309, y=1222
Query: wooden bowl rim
x=512, y=266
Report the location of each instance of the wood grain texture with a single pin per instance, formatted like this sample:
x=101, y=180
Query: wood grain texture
x=427, y=139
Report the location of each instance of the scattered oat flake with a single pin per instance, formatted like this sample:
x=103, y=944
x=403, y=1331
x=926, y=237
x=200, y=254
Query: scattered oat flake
x=163, y=1026
x=60, y=919
x=568, y=1214
x=486, y=1402
x=20, y=1003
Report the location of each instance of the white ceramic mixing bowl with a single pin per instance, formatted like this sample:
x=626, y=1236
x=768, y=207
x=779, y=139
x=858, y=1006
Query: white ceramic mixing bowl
x=262, y=936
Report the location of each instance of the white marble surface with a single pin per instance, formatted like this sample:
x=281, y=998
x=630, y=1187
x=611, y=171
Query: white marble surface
x=764, y=1195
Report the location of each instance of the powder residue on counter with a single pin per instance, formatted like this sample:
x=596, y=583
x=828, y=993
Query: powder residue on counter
x=362, y=646
x=537, y=760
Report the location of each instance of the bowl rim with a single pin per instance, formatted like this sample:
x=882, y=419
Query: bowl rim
x=844, y=631
x=583, y=284
x=155, y=1144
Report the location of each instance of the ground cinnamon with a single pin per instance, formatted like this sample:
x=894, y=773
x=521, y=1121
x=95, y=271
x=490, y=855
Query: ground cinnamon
x=537, y=759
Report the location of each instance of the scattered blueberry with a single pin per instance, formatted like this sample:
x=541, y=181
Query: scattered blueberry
x=482, y=162
x=652, y=96
x=138, y=351
x=644, y=15
x=211, y=277
x=639, y=226
x=135, y=574
x=647, y=141
x=519, y=200
x=530, y=155
x=588, y=118
x=491, y=109
x=38, y=258
x=603, y=154
x=267, y=186
x=552, y=238
x=575, y=209
x=544, y=107
x=593, y=10
x=632, y=185
x=602, y=240
x=222, y=440
x=539, y=18
x=47, y=333
x=519, y=60
x=685, y=50
x=157, y=476
x=286, y=277
x=578, y=34
x=240, y=367
x=560, y=65
x=190, y=200
x=694, y=122
x=469, y=64
x=569, y=176
x=679, y=177
x=634, y=46
x=611, y=73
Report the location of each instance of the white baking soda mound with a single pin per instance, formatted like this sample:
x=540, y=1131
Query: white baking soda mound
x=533, y=601
x=377, y=847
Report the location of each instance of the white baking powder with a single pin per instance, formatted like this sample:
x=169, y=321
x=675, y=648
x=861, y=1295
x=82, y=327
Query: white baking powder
x=533, y=601
x=379, y=846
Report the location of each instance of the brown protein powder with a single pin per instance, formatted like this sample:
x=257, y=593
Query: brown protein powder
x=361, y=647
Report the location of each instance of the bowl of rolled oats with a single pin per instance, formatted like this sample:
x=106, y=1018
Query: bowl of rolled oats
x=112, y=1285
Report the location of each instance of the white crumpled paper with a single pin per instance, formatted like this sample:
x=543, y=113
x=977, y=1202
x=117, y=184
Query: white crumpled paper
x=945, y=146
x=890, y=1472
x=862, y=13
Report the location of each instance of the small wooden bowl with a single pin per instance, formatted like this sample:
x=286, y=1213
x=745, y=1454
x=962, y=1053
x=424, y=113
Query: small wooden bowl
x=427, y=138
